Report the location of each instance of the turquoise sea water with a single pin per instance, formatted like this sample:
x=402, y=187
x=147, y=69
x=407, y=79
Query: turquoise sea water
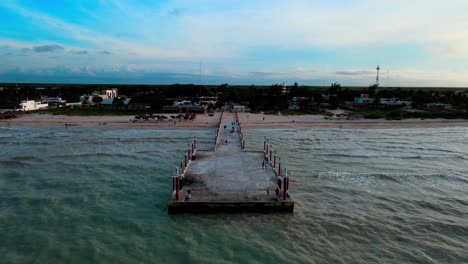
x=99, y=195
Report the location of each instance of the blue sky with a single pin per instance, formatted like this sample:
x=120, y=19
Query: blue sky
x=416, y=43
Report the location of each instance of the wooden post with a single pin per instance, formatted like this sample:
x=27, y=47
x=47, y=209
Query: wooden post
x=177, y=188
x=193, y=148
x=284, y=188
x=279, y=168
x=274, y=162
x=195, y=143
x=243, y=144
x=185, y=160
x=271, y=152
x=173, y=179
x=264, y=145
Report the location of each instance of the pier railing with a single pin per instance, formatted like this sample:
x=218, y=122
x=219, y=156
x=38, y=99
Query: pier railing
x=269, y=156
x=178, y=178
x=189, y=155
x=282, y=174
x=218, y=130
x=241, y=135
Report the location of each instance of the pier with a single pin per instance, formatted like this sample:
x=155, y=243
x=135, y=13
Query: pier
x=229, y=178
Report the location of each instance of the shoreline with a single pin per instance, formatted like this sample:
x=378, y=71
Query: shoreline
x=248, y=121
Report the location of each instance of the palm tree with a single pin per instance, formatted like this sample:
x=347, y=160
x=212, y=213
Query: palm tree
x=334, y=88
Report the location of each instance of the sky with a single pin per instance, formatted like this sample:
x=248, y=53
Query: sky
x=314, y=42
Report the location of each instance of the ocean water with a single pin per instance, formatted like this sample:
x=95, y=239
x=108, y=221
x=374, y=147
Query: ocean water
x=99, y=195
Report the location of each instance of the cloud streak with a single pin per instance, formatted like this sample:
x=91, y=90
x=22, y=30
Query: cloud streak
x=48, y=48
x=81, y=52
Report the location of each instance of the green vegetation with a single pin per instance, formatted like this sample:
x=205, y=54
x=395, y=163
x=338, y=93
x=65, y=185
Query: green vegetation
x=268, y=99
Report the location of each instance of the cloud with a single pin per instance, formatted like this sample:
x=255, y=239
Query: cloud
x=48, y=48
x=81, y=52
x=128, y=35
x=354, y=73
x=262, y=39
x=176, y=11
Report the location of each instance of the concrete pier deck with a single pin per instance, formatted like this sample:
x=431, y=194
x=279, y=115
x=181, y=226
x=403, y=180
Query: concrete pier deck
x=229, y=179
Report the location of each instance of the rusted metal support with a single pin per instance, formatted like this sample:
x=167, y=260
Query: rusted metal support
x=284, y=188
x=177, y=188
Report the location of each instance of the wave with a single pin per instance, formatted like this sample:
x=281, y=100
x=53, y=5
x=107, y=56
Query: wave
x=400, y=178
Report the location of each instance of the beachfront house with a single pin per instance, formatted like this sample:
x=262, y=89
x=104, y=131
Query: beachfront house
x=31, y=105
x=103, y=95
x=54, y=101
x=394, y=103
x=294, y=103
x=362, y=101
x=184, y=106
x=439, y=106
x=116, y=100
x=238, y=108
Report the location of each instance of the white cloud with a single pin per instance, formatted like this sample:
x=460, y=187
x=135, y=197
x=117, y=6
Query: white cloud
x=223, y=37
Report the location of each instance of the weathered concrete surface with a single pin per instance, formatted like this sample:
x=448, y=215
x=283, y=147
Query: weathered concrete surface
x=229, y=179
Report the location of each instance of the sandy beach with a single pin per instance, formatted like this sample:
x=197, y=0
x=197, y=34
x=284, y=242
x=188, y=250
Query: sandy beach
x=308, y=121
x=248, y=120
x=48, y=120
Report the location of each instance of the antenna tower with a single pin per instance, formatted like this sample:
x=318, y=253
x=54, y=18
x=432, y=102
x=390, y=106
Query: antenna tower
x=377, y=78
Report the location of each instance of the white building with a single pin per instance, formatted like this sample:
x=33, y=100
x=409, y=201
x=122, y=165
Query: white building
x=109, y=93
x=105, y=94
x=30, y=105
x=53, y=100
x=238, y=108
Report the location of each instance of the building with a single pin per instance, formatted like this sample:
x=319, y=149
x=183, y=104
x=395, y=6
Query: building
x=359, y=102
x=364, y=99
x=296, y=102
x=109, y=93
x=110, y=101
x=238, y=108
x=104, y=94
x=31, y=105
x=54, y=100
x=394, y=102
x=185, y=109
x=439, y=106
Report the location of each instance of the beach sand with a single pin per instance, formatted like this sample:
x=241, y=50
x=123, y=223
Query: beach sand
x=248, y=120
x=48, y=120
x=309, y=121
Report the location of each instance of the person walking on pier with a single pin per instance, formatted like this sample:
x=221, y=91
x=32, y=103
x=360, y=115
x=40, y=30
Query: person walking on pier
x=188, y=196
